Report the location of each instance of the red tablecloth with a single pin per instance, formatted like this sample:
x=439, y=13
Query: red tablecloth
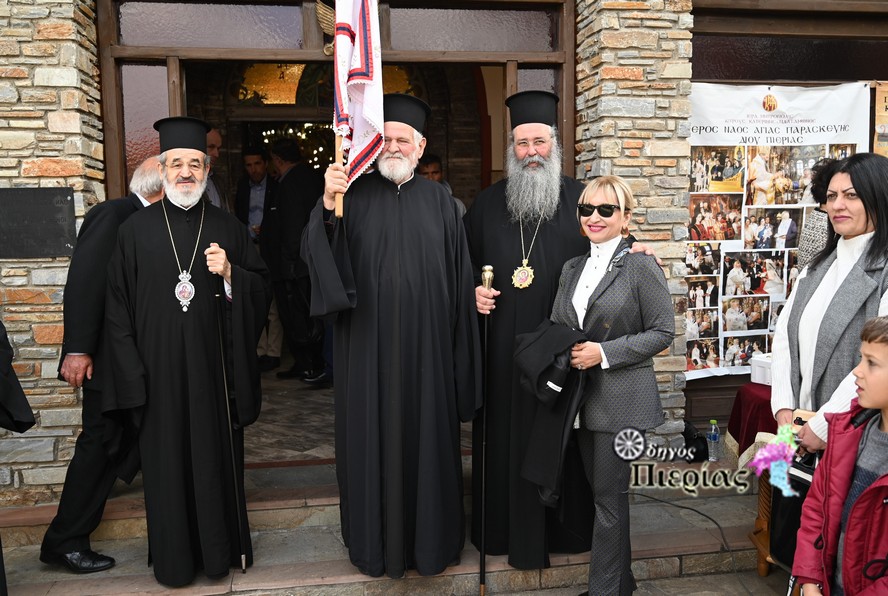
x=751, y=414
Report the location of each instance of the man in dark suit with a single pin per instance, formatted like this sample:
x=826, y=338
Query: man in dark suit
x=91, y=473
x=299, y=188
x=216, y=191
x=254, y=193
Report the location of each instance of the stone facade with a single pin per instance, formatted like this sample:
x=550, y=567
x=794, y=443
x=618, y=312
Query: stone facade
x=50, y=136
x=632, y=99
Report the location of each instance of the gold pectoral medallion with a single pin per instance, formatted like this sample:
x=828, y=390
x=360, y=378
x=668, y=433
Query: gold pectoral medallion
x=523, y=276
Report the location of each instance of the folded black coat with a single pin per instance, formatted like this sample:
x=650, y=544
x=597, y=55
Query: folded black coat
x=15, y=411
x=542, y=358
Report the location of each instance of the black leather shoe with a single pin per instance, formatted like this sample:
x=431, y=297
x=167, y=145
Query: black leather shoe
x=83, y=561
x=318, y=379
x=268, y=363
x=293, y=373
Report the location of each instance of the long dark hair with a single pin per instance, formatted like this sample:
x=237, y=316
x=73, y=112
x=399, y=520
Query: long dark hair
x=869, y=175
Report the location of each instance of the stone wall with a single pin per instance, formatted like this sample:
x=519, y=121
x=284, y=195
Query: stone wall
x=50, y=136
x=633, y=83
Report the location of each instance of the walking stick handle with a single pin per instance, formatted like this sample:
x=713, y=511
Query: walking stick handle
x=487, y=276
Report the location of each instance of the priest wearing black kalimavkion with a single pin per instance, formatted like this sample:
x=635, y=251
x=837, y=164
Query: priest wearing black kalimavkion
x=395, y=272
x=525, y=226
x=187, y=299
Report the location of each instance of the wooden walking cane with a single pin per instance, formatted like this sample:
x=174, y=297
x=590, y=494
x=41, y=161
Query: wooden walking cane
x=234, y=475
x=487, y=283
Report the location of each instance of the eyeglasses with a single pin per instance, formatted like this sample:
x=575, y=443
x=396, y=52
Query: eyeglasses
x=605, y=210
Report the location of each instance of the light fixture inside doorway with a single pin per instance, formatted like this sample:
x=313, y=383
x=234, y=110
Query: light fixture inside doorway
x=270, y=84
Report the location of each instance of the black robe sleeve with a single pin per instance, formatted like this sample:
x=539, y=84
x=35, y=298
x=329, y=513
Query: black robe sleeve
x=249, y=310
x=329, y=265
x=466, y=340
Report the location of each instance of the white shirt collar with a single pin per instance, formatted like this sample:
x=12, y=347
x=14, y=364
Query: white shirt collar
x=142, y=199
x=604, y=250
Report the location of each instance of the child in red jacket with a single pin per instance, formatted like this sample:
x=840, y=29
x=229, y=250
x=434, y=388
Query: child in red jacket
x=842, y=547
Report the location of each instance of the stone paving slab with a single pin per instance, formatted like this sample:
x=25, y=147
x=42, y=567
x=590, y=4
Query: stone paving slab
x=312, y=560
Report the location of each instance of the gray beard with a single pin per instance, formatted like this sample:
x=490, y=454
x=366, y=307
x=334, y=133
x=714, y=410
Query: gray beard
x=185, y=200
x=533, y=193
x=396, y=167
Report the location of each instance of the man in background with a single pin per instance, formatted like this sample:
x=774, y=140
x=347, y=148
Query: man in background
x=254, y=194
x=216, y=191
x=430, y=167
x=298, y=189
x=91, y=473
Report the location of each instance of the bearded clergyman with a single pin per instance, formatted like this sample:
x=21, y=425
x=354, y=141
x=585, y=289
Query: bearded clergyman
x=187, y=299
x=394, y=273
x=526, y=227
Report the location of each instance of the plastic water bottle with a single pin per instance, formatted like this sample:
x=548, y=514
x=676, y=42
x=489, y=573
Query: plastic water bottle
x=712, y=440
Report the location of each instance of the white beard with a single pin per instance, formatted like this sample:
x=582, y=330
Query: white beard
x=185, y=200
x=396, y=167
x=533, y=193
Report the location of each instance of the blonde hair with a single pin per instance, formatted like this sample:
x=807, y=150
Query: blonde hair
x=615, y=189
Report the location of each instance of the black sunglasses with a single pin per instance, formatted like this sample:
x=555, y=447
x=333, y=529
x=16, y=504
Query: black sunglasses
x=605, y=210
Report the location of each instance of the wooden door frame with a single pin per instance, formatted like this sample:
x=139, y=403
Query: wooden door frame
x=112, y=54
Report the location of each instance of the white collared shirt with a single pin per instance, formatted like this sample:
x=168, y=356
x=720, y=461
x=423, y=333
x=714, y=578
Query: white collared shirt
x=596, y=266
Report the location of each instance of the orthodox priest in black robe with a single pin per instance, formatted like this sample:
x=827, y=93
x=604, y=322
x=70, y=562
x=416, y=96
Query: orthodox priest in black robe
x=396, y=272
x=530, y=216
x=183, y=281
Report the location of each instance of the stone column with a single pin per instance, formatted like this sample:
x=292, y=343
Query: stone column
x=633, y=82
x=50, y=135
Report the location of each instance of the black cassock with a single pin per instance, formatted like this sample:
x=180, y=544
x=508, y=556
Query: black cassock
x=168, y=383
x=517, y=523
x=397, y=273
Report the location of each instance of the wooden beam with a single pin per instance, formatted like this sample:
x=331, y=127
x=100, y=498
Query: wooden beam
x=467, y=4
x=510, y=87
x=112, y=100
x=834, y=27
x=385, y=28
x=136, y=53
x=801, y=6
x=567, y=91
x=312, y=36
x=174, y=87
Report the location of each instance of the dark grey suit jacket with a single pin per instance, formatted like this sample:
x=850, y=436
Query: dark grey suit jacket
x=631, y=315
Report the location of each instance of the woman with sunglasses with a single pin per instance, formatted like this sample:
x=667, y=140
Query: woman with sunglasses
x=622, y=304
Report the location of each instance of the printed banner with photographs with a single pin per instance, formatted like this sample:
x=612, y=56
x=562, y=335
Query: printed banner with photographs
x=752, y=149
x=880, y=135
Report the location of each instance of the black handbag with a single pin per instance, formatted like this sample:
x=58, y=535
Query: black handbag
x=786, y=512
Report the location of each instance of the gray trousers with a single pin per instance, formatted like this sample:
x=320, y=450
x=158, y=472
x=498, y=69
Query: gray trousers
x=610, y=560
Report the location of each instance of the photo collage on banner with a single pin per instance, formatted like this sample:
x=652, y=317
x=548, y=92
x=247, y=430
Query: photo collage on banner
x=752, y=150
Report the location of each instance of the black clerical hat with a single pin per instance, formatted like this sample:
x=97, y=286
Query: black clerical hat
x=410, y=110
x=182, y=132
x=533, y=107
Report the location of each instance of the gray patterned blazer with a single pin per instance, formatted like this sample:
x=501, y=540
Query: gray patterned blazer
x=631, y=315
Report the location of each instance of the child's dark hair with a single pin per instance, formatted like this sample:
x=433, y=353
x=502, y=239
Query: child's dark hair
x=875, y=331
